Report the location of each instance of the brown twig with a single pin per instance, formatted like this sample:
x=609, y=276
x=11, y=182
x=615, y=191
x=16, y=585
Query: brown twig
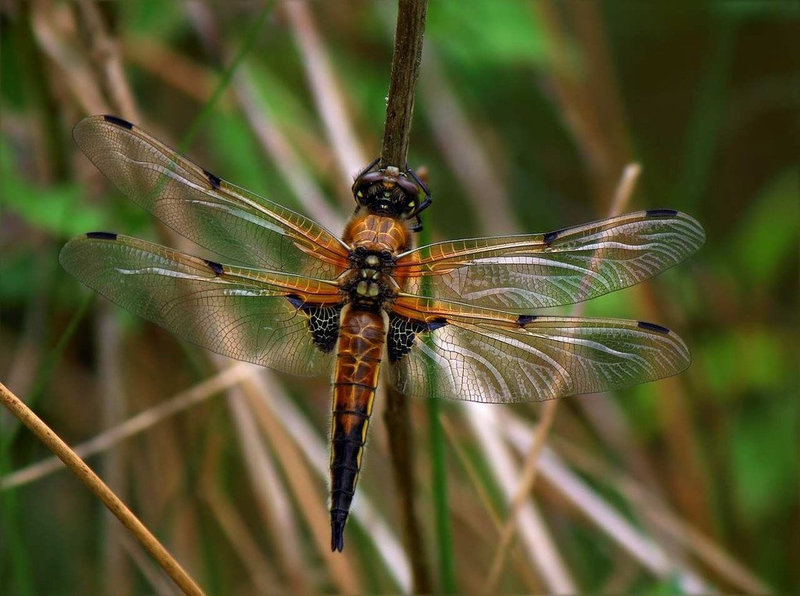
x=99, y=488
x=406, y=60
x=405, y=71
x=401, y=449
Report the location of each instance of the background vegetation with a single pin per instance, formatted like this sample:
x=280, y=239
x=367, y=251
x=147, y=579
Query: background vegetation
x=526, y=115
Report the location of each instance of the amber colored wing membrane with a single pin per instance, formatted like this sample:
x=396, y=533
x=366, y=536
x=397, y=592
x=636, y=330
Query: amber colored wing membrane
x=213, y=213
x=472, y=354
x=246, y=314
x=520, y=273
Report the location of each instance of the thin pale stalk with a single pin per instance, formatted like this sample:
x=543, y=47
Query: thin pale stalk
x=300, y=481
x=105, y=52
x=249, y=39
x=326, y=90
x=385, y=541
x=275, y=144
x=464, y=150
x=620, y=530
x=620, y=199
x=534, y=586
x=62, y=48
x=534, y=535
x=99, y=488
x=238, y=533
x=134, y=425
x=117, y=574
x=660, y=515
x=271, y=493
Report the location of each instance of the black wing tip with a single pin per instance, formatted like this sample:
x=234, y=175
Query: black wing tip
x=102, y=235
x=523, y=320
x=118, y=121
x=661, y=212
x=653, y=327
x=214, y=266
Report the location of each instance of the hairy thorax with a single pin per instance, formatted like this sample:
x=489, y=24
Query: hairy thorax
x=375, y=241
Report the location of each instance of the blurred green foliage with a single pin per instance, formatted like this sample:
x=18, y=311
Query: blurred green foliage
x=709, y=95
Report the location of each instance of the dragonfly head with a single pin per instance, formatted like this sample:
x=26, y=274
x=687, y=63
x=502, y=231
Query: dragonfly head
x=391, y=192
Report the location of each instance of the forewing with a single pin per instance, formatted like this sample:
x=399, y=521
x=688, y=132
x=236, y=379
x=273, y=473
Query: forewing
x=485, y=356
x=213, y=213
x=246, y=314
x=520, y=273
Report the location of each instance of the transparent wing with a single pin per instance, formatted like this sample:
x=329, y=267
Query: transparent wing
x=213, y=213
x=247, y=314
x=486, y=356
x=520, y=273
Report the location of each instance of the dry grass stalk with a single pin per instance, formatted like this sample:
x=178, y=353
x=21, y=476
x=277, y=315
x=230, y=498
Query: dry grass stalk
x=99, y=488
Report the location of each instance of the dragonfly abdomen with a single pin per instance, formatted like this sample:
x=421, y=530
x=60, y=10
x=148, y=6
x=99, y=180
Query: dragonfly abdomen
x=358, y=359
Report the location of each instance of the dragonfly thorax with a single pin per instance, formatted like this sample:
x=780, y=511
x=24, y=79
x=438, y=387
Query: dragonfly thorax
x=368, y=283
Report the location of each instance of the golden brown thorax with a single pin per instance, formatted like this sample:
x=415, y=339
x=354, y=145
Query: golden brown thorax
x=377, y=233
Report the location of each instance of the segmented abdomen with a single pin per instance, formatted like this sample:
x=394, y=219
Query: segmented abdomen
x=358, y=360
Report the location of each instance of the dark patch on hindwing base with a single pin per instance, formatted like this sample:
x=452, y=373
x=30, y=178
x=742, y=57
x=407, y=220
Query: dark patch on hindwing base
x=323, y=322
x=402, y=332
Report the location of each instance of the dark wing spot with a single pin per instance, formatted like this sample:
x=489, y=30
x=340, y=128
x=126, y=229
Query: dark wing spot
x=661, y=213
x=523, y=320
x=653, y=327
x=296, y=301
x=550, y=236
x=102, y=235
x=118, y=121
x=214, y=266
x=323, y=322
x=402, y=332
x=437, y=324
x=212, y=179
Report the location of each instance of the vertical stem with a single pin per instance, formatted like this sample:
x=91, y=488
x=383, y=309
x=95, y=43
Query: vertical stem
x=405, y=71
x=406, y=59
x=401, y=448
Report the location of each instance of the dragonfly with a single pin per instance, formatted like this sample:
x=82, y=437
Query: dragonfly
x=453, y=319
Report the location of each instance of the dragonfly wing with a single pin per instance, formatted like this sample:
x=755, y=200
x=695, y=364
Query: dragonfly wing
x=520, y=273
x=260, y=316
x=439, y=349
x=213, y=213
